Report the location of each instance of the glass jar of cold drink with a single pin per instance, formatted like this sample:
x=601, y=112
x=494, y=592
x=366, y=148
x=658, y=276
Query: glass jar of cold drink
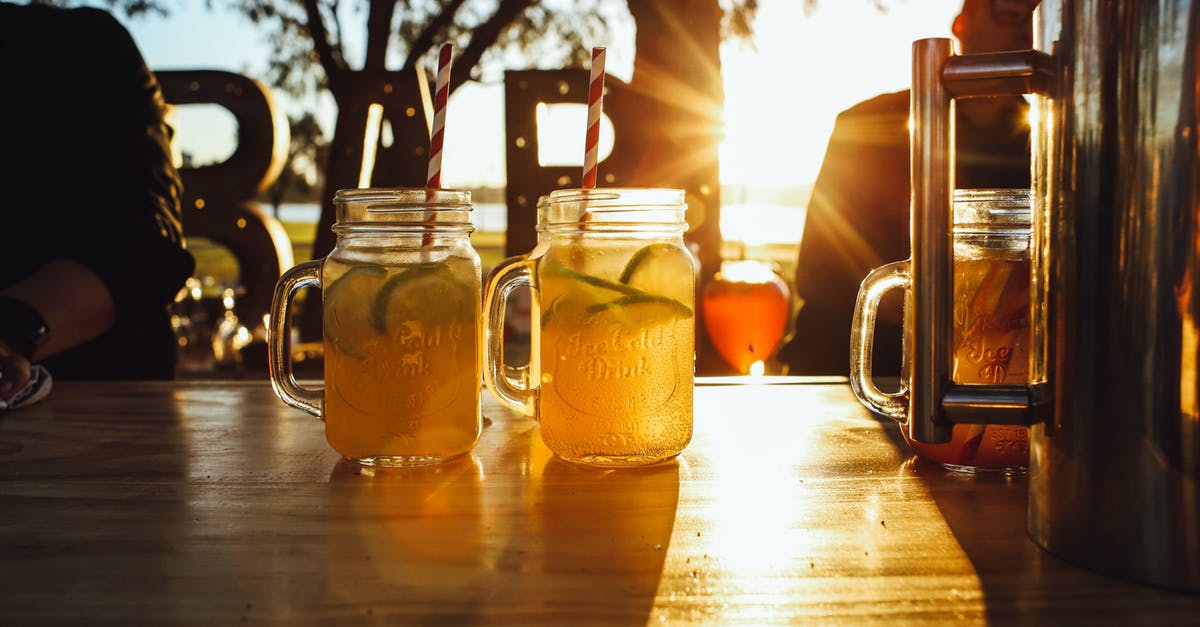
x=613, y=351
x=990, y=338
x=400, y=309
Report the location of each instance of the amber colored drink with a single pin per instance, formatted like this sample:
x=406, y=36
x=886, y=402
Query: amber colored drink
x=991, y=345
x=402, y=360
x=617, y=346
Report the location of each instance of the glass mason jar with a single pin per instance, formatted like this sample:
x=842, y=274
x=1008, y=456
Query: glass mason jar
x=613, y=347
x=400, y=311
x=990, y=337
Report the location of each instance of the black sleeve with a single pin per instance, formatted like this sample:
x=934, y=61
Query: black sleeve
x=856, y=220
x=119, y=212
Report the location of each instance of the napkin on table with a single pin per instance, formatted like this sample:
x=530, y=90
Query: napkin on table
x=38, y=388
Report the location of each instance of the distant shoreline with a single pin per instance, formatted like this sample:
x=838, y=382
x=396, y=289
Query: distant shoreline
x=489, y=217
x=757, y=223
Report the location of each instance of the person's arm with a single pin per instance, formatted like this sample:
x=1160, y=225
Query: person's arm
x=73, y=303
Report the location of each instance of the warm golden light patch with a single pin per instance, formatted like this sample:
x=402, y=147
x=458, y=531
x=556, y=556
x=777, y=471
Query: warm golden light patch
x=560, y=134
x=370, y=141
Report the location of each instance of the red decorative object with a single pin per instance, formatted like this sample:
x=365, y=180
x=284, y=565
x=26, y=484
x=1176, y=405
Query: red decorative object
x=747, y=307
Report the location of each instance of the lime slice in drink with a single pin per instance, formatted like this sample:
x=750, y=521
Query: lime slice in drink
x=644, y=311
x=662, y=269
x=992, y=286
x=644, y=304
x=426, y=292
x=347, y=310
x=556, y=270
x=588, y=296
x=570, y=292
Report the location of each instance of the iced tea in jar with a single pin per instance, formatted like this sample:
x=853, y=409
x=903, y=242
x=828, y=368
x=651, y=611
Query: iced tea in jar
x=612, y=361
x=991, y=322
x=400, y=314
x=990, y=338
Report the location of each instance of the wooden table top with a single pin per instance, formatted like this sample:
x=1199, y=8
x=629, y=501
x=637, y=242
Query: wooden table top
x=213, y=503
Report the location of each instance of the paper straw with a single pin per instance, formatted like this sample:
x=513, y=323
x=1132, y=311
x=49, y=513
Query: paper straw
x=595, y=104
x=434, y=180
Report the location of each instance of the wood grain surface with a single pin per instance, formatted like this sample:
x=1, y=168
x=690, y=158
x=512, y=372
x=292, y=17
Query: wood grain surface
x=213, y=503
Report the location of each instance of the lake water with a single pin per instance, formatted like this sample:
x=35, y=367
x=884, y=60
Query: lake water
x=752, y=223
x=491, y=217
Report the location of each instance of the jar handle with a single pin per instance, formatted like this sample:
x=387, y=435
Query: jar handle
x=279, y=360
x=894, y=275
x=509, y=275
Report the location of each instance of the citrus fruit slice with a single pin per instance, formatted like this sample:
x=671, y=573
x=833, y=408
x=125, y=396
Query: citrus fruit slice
x=560, y=270
x=426, y=292
x=632, y=313
x=644, y=309
x=662, y=269
x=992, y=286
x=567, y=293
x=347, y=308
x=584, y=296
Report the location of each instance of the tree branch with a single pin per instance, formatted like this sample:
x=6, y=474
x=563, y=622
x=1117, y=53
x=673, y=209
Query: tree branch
x=379, y=31
x=339, y=33
x=330, y=60
x=424, y=41
x=483, y=37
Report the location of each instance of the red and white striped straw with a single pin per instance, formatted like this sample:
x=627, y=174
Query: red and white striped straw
x=434, y=180
x=595, y=105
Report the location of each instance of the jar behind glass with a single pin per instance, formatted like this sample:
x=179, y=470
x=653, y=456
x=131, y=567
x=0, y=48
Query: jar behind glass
x=990, y=337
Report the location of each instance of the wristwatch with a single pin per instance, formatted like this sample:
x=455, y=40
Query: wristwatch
x=22, y=327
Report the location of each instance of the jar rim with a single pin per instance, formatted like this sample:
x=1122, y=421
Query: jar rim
x=992, y=208
x=617, y=197
x=401, y=207
x=612, y=209
x=394, y=199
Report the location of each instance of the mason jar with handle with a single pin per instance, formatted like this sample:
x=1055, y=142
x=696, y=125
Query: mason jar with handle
x=613, y=351
x=990, y=341
x=400, y=309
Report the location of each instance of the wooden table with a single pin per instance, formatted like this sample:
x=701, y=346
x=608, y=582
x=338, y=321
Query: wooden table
x=213, y=503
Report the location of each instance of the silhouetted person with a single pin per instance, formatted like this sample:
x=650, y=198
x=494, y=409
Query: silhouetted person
x=858, y=214
x=91, y=244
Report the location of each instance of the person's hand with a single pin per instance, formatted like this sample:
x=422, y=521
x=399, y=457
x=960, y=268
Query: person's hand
x=14, y=372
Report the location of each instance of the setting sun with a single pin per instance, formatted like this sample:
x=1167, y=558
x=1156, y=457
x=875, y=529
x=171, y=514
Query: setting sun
x=784, y=90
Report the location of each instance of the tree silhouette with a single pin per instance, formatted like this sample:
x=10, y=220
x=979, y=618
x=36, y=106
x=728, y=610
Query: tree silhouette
x=306, y=159
x=311, y=51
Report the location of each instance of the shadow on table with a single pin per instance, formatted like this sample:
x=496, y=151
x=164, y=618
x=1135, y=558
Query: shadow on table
x=1021, y=583
x=598, y=541
x=524, y=537
x=404, y=545
x=974, y=507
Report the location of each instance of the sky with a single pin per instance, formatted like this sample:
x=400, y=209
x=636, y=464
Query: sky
x=783, y=90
